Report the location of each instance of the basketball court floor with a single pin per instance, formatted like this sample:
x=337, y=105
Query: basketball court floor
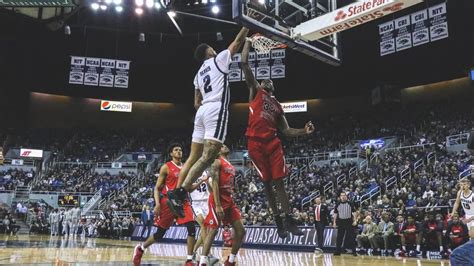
x=45, y=250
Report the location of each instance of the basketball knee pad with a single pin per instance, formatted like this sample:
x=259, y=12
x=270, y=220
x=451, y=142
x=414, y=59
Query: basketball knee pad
x=191, y=229
x=159, y=234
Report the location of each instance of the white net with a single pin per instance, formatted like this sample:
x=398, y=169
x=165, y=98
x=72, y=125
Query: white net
x=263, y=44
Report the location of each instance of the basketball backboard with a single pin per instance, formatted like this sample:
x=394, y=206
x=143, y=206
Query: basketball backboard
x=276, y=19
x=312, y=26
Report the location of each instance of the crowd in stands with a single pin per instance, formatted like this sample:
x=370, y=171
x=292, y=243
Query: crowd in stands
x=12, y=178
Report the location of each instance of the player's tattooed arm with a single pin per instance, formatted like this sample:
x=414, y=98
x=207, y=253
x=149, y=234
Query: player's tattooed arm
x=252, y=83
x=197, y=99
x=294, y=132
x=235, y=46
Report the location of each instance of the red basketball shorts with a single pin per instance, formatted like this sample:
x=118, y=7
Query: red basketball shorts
x=166, y=217
x=231, y=214
x=268, y=159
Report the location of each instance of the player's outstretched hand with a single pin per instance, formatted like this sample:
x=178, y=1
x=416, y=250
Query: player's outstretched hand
x=309, y=128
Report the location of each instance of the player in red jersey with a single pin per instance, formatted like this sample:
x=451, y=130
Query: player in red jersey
x=164, y=218
x=266, y=116
x=222, y=209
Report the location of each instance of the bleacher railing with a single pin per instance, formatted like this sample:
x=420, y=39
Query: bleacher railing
x=92, y=202
x=466, y=173
x=340, y=179
x=369, y=195
x=310, y=198
x=328, y=187
x=406, y=173
x=418, y=164
x=390, y=182
x=431, y=157
x=457, y=139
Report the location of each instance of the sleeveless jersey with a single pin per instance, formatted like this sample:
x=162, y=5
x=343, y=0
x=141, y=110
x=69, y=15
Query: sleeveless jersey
x=226, y=183
x=201, y=193
x=265, y=110
x=467, y=202
x=211, y=78
x=172, y=179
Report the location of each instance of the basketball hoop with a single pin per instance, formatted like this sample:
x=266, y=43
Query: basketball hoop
x=263, y=44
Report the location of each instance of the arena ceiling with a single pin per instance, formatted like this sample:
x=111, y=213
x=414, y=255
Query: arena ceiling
x=163, y=68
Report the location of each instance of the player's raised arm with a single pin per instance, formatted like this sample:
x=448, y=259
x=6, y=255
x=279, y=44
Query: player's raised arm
x=252, y=83
x=235, y=46
x=294, y=132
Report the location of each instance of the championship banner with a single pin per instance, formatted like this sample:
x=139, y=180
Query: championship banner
x=263, y=66
x=438, y=22
x=107, y=76
x=121, y=78
x=402, y=33
x=234, y=69
x=99, y=72
x=92, y=71
x=277, y=66
x=76, y=75
x=426, y=25
x=387, y=40
x=256, y=236
x=419, y=27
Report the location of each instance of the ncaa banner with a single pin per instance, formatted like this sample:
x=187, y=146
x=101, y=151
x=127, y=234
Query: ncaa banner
x=76, y=74
x=402, y=33
x=91, y=76
x=263, y=66
x=387, y=40
x=121, y=78
x=234, y=69
x=277, y=67
x=438, y=22
x=419, y=27
x=107, y=76
x=255, y=236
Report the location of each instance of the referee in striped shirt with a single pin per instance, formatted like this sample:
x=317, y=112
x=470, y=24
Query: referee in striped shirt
x=343, y=219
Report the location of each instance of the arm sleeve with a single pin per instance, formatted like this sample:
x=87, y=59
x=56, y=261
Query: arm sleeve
x=223, y=60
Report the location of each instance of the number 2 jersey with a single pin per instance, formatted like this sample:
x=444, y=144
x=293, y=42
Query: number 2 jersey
x=211, y=79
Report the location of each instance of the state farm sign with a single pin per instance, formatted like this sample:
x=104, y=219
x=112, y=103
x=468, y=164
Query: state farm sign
x=30, y=153
x=348, y=17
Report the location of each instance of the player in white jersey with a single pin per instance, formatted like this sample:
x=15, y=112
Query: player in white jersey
x=211, y=100
x=199, y=197
x=75, y=220
x=465, y=198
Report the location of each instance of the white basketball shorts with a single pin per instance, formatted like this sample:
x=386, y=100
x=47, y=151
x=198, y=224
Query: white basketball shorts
x=211, y=122
x=200, y=208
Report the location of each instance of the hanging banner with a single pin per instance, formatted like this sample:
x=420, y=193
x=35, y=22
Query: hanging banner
x=263, y=66
x=438, y=22
x=402, y=33
x=277, y=66
x=387, y=40
x=235, y=73
x=76, y=75
x=419, y=27
x=99, y=72
x=121, y=78
x=91, y=76
x=415, y=29
x=107, y=76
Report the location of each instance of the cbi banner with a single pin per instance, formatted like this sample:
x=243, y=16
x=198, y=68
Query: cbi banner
x=415, y=29
x=263, y=65
x=256, y=236
x=101, y=72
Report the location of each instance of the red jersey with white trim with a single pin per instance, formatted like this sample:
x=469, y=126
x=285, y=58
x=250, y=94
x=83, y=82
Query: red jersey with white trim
x=172, y=179
x=265, y=110
x=226, y=183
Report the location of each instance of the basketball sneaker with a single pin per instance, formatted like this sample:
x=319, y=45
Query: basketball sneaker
x=227, y=263
x=212, y=260
x=189, y=263
x=176, y=200
x=281, y=231
x=291, y=226
x=137, y=255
